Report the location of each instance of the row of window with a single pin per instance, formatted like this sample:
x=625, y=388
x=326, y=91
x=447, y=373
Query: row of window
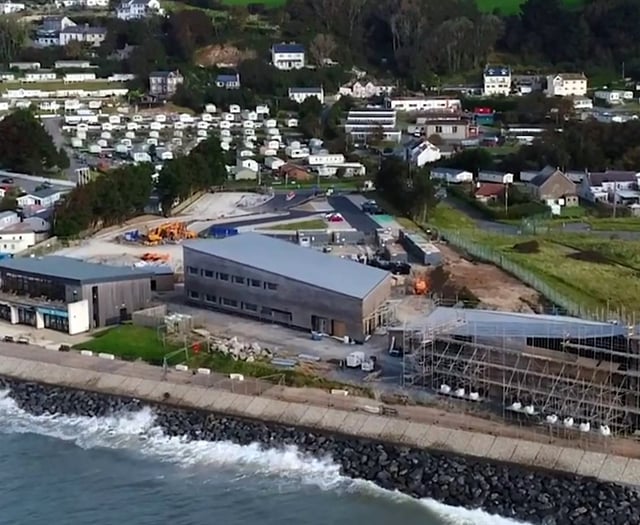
x=224, y=301
x=221, y=276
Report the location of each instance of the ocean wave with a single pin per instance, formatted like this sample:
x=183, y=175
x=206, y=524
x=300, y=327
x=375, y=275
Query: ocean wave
x=136, y=431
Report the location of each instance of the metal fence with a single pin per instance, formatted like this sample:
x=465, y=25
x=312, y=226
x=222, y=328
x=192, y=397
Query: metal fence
x=565, y=304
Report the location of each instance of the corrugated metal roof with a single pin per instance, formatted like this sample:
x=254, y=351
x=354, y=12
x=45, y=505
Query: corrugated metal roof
x=305, y=265
x=490, y=323
x=70, y=269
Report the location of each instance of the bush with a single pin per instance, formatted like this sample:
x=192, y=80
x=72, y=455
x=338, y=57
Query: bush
x=497, y=213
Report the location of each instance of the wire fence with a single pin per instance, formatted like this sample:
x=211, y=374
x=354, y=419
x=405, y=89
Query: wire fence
x=565, y=304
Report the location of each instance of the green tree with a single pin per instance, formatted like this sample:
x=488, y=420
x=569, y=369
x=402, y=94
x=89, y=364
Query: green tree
x=13, y=36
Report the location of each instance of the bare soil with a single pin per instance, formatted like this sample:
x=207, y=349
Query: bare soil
x=591, y=256
x=222, y=54
x=492, y=287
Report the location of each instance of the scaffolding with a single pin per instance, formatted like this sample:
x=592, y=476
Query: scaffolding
x=581, y=385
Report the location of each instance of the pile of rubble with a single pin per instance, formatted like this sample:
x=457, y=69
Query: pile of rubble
x=240, y=351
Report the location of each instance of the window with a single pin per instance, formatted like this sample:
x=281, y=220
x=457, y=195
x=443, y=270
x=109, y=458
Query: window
x=193, y=270
x=250, y=307
x=209, y=274
x=271, y=286
x=223, y=276
x=239, y=280
x=193, y=294
x=210, y=298
x=454, y=129
x=256, y=283
x=229, y=302
x=438, y=129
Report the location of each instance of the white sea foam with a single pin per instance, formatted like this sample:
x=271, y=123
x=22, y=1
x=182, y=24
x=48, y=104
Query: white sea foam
x=137, y=432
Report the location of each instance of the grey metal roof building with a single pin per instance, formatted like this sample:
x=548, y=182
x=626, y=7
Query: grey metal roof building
x=276, y=281
x=70, y=269
x=305, y=265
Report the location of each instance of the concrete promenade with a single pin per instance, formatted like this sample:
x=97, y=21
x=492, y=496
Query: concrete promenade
x=354, y=418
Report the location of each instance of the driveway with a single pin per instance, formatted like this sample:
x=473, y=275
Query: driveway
x=53, y=126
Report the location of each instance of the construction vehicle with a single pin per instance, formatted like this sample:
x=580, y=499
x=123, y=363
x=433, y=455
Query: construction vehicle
x=168, y=232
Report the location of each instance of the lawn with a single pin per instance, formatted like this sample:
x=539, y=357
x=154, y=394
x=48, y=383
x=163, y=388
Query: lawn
x=311, y=224
x=132, y=343
x=56, y=85
x=268, y=3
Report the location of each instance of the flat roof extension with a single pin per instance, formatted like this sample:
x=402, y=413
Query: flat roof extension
x=305, y=265
x=69, y=269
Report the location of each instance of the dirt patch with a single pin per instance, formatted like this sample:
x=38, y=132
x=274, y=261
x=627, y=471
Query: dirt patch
x=492, y=287
x=591, y=256
x=527, y=247
x=222, y=55
x=447, y=289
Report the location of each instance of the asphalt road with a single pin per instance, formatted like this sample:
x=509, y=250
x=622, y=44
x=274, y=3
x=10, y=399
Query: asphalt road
x=353, y=215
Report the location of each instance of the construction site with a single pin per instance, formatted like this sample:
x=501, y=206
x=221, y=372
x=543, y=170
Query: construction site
x=569, y=377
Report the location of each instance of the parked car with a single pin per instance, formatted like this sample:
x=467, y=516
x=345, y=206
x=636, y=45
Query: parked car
x=22, y=340
x=8, y=339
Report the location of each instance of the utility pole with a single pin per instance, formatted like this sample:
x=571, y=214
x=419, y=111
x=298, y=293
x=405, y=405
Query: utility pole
x=506, y=200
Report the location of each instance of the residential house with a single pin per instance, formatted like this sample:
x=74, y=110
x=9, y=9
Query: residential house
x=40, y=198
x=93, y=36
x=300, y=94
x=288, y=56
x=8, y=8
x=164, y=84
x=582, y=103
x=497, y=81
x=363, y=124
x=95, y=4
x=419, y=152
x=133, y=9
x=365, y=89
x=274, y=163
x=451, y=175
x=8, y=218
x=40, y=75
x=48, y=33
x=295, y=172
x=78, y=77
x=613, y=97
x=73, y=64
x=20, y=236
x=6, y=76
x=567, y=85
x=609, y=186
x=24, y=66
x=245, y=174
x=323, y=159
x=228, y=81
x=553, y=187
x=447, y=129
x=487, y=192
x=495, y=177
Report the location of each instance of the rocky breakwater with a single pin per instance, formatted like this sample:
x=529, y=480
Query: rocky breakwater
x=533, y=496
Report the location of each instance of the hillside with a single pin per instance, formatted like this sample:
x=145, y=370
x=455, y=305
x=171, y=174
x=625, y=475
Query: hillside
x=512, y=6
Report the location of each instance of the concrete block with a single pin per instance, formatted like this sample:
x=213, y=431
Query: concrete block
x=204, y=371
x=312, y=417
x=569, y=460
x=613, y=468
x=459, y=440
x=130, y=385
x=394, y=430
x=240, y=405
x=182, y=368
x=632, y=472
x=177, y=392
x=333, y=419
x=591, y=464
x=414, y=433
x=193, y=396
x=103, y=355
x=144, y=388
x=480, y=444
x=503, y=448
x=9, y=366
x=292, y=413
x=526, y=452
x=435, y=437
x=373, y=426
x=547, y=456
x=274, y=409
x=111, y=383
x=352, y=423
x=256, y=407
x=87, y=353
x=218, y=401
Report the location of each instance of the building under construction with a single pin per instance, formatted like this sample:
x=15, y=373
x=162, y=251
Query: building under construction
x=577, y=378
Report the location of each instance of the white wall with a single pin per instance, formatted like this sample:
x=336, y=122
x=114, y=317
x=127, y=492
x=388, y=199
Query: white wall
x=78, y=317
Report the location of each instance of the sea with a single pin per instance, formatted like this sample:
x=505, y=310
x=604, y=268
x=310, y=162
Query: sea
x=64, y=470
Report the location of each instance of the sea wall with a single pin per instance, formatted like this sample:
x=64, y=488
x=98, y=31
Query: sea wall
x=534, y=496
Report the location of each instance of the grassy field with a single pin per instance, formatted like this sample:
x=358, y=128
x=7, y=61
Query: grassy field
x=510, y=7
x=311, y=224
x=132, y=343
x=60, y=85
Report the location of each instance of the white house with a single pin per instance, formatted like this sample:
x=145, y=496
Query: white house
x=132, y=9
x=496, y=177
x=365, y=89
x=440, y=104
x=42, y=198
x=615, y=96
x=301, y=94
x=24, y=66
x=84, y=33
x=228, y=81
x=18, y=237
x=363, y=123
x=78, y=77
x=497, y=81
x=609, y=186
x=288, y=56
x=8, y=218
x=419, y=152
x=73, y=64
x=322, y=159
x=274, y=163
x=41, y=75
x=567, y=85
x=582, y=103
x=7, y=8
x=451, y=175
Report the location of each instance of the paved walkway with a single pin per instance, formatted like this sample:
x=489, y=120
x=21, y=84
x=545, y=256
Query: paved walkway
x=415, y=426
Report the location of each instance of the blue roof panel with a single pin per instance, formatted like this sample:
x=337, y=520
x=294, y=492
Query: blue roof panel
x=288, y=48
